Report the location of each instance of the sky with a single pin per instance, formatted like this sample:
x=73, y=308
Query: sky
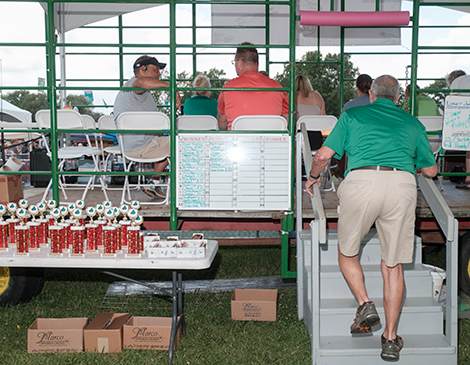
x=21, y=66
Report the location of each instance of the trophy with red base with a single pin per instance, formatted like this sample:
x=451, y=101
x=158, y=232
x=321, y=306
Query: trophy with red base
x=134, y=243
x=12, y=223
x=57, y=234
x=78, y=234
x=34, y=228
x=109, y=235
x=125, y=223
x=43, y=231
x=21, y=233
x=3, y=229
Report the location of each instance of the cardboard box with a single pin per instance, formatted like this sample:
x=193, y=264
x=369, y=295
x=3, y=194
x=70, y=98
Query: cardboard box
x=104, y=333
x=149, y=333
x=254, y=305
x=11, y=188
x=56, y=335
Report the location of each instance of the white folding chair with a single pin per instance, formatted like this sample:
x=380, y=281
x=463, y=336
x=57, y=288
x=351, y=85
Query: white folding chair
x=69, y=119
x=106, y=122
x=320, y=123
x=434, y=124
x=259, y=123
x=136, y=121
x=197, y=123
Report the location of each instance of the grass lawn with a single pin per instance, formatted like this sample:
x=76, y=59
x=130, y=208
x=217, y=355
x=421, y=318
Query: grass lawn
x=211, y=338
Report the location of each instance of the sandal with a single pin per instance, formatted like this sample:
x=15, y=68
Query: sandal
x=463, y=185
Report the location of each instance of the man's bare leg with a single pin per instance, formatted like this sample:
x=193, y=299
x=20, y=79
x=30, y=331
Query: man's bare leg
x=394, y=289
x=159, y=167
x=352, y=271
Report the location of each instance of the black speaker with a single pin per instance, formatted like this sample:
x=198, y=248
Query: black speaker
x=39, y=162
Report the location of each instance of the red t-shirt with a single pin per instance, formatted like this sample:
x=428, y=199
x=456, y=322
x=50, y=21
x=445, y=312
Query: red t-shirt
x=236, y=103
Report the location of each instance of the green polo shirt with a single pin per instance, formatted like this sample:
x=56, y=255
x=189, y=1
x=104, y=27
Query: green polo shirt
x=381, y=134
x=200, y=105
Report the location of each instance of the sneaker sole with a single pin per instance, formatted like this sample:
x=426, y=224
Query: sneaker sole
x=153, y=194
x=389, y=357
x=366, y=324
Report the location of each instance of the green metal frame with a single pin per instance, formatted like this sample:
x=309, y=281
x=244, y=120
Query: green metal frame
x=124, y=49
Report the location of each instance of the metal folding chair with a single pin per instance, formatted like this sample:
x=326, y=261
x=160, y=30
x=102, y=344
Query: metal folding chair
x=69, y=119
x=320, y=123
x=136, y=121
x=197, y=123
x=260, y=123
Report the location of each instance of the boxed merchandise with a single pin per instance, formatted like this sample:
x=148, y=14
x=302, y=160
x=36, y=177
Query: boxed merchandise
x=104, y=333
x=149, y=333
x=254, y=305
x=11, y=188
x=56, y=335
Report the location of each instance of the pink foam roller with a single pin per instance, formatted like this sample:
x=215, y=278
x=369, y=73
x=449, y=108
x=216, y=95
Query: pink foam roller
x=354, y=18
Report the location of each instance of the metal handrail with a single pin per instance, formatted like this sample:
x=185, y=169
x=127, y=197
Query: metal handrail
x=450, y=228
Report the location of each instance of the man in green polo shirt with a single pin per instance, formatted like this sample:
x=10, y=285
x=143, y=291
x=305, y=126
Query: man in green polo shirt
x=386, y=147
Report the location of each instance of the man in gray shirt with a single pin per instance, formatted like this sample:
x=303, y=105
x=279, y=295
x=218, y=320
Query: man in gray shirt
x=147, y=76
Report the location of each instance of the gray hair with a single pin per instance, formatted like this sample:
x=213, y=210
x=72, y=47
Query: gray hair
x=453, y=75
x=385, y=87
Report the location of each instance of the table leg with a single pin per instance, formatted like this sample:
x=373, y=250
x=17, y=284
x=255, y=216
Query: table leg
x=180, y=303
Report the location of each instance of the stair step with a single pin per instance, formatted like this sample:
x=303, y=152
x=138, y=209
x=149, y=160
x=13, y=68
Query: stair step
x=419, y=316
x=418, y=349
x=370, y=251
x=333, y=285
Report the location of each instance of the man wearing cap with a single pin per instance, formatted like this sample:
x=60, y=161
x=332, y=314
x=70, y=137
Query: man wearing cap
x=147, y=77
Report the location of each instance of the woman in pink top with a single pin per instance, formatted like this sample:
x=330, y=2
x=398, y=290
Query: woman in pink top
x=309, y=102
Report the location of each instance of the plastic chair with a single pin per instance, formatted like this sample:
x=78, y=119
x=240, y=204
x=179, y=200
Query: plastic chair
x=104, y=123
x=142, y=121
x=320, y=123
x=259, y=123
x=197, y=123
x=434, y=124
x=69, y=119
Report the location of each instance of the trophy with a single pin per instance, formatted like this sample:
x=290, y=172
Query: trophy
x=12, y=222
x=34, y=228
x=3, y=229
x=21, y=233
x=91, y=231
x=78, y=234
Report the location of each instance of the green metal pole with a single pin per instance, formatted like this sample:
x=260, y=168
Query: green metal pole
x=173, y=213
x=288, y=221
x=121, y=53
x=414, y=56
x=51, y=91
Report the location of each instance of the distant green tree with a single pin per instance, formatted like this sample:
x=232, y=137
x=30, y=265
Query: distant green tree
x=325, y=78
x=26, y=100
x=82, y=104
x=438, y=96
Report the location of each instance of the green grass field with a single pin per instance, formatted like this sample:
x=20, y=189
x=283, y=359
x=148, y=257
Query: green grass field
x=211, y=338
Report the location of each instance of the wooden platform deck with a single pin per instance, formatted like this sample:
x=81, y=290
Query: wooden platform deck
x=458, y=201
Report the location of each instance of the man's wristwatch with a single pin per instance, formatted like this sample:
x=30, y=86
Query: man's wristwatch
x=314, y=177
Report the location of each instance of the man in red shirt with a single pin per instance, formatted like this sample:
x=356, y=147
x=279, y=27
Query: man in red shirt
x=232, y=104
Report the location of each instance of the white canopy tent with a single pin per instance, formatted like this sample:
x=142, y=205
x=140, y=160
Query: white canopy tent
x=11, y=113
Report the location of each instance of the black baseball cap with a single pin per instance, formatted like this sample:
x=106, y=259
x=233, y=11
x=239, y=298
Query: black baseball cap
x=149, y=61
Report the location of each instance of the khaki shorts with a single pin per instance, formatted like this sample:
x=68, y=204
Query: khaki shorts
x=386, y=198
x=158, y=147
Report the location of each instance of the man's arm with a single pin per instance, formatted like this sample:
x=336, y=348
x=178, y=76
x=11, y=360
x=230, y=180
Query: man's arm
x=222, y=121
x=429, y=171
x=149, y=83
x=323, y=155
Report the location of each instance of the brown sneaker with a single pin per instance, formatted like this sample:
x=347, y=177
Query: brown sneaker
x=398, y=340
x=366, y=317
x=391, y=349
